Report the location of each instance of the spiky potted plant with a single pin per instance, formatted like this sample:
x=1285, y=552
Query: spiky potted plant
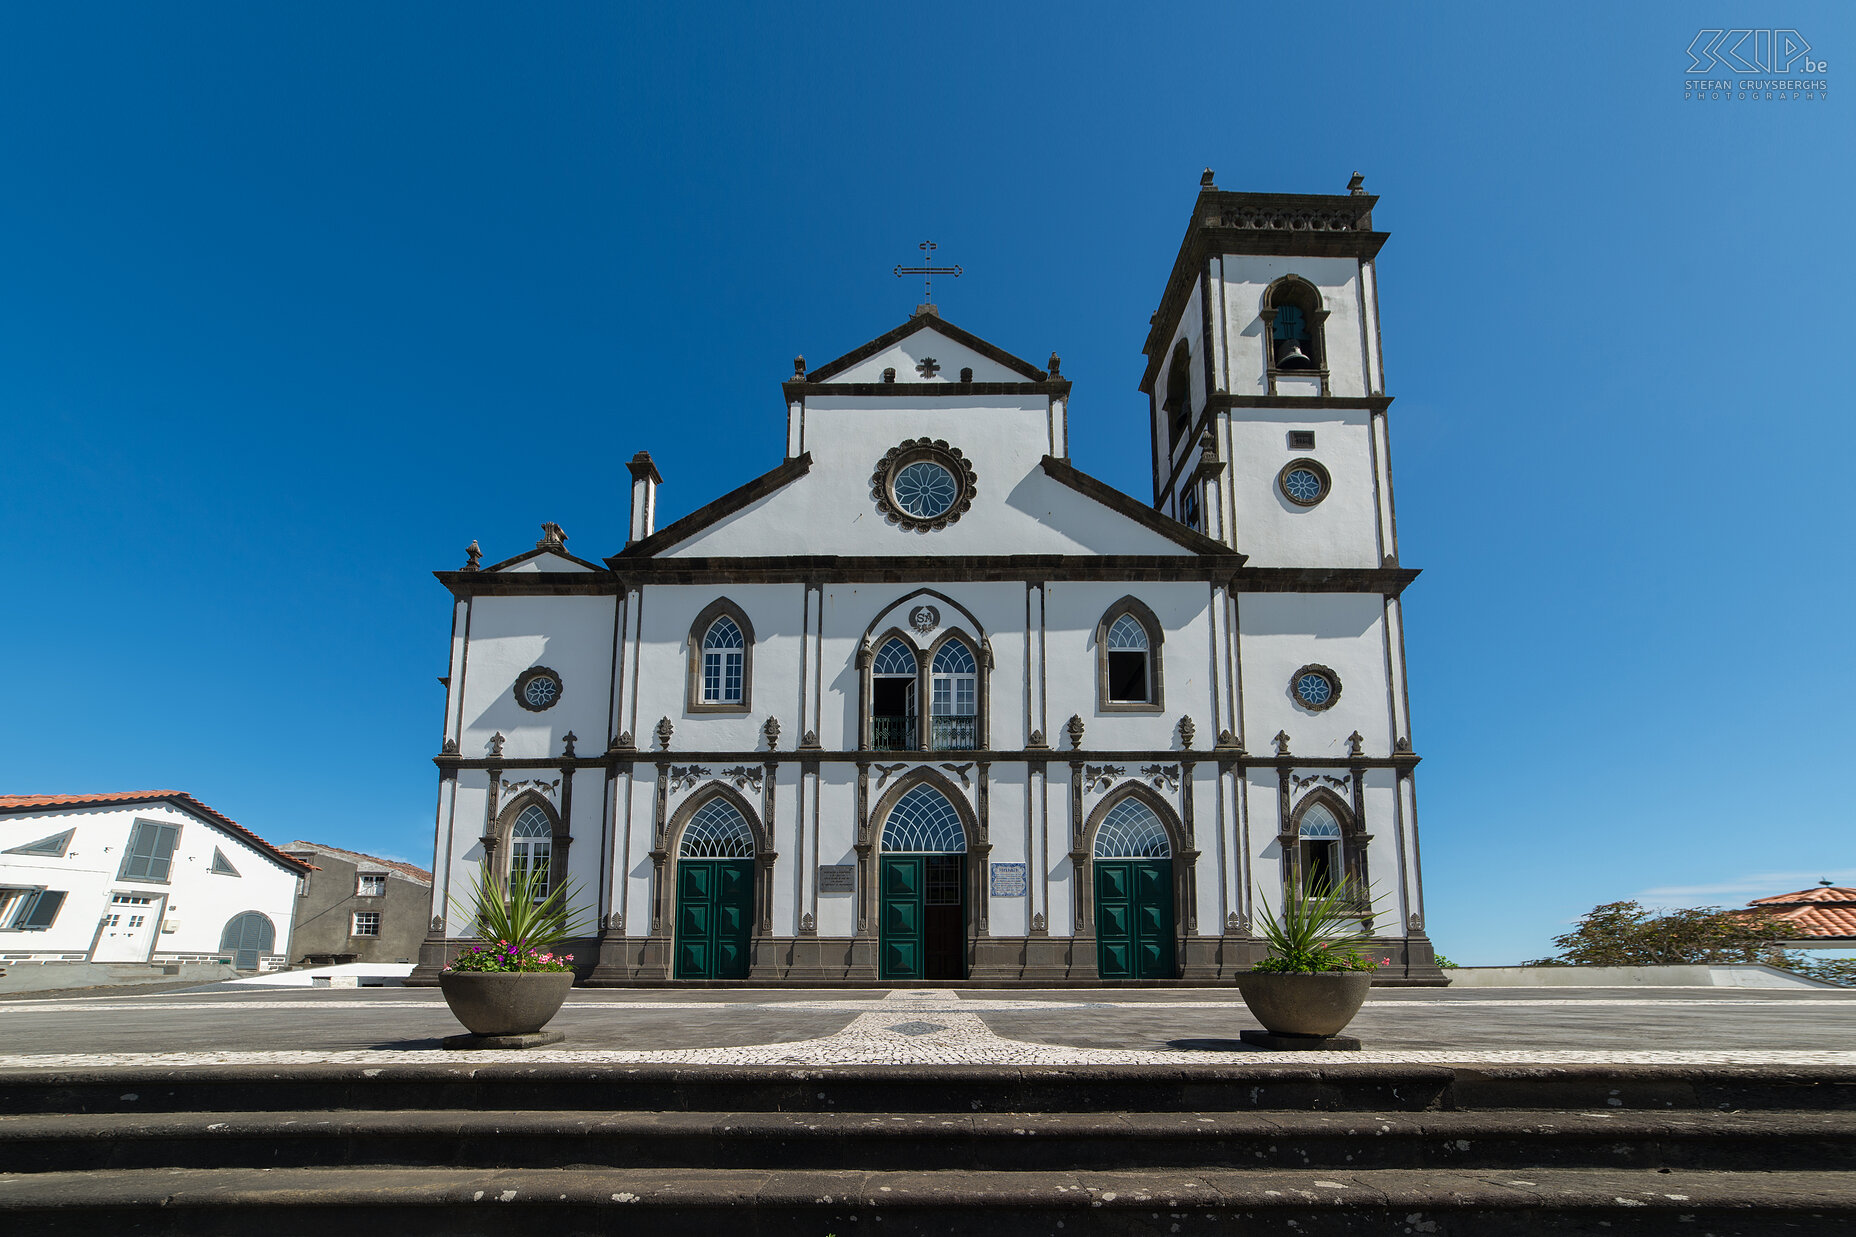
x=1314, y=977
x=513, y=983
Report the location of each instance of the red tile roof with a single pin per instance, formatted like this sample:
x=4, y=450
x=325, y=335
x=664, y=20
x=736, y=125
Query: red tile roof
x=180, y=798
x=397, y=865
x=1828, y=910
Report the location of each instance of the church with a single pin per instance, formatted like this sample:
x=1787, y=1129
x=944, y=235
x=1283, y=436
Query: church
x=926, y=702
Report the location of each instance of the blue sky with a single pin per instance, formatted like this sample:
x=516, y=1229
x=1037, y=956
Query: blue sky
x=296, y=301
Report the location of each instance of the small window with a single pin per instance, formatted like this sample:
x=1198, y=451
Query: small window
x=1127, y=661
x=222, y=866
x=52, y=847
x=150, y=855
x=966, y=375
x=538, y=688
x=1189, y=508
x=1301, y=440
x=1315, y=687
x=366, y=923
x=371, y=885
x=724, y=653
x=1303, y=482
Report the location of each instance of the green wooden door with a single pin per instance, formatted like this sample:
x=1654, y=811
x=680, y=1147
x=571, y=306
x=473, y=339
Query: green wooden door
x=715, y=917
x=901, y=907
x=1134, y=918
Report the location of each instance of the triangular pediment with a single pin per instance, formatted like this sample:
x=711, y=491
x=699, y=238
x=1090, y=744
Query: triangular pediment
x=928, y=349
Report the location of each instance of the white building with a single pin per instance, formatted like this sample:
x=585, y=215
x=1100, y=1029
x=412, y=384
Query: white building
x=925, y=701
x=148, y=876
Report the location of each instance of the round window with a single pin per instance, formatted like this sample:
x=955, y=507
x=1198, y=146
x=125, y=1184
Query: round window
x=538, y=688
x=923, y=485
x=925, y=489
x=1315, y=687
x=1303, y=482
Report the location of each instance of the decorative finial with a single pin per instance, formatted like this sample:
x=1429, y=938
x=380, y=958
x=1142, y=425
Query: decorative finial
x=772, y=731
x=473, y=557
x=496, y=744
x=1356, y=744
x=799, y=367
x=1357, y=185
x=552, y=538
x=664, y=731
x=927, y=271
x=1036, y=739
x=451, y=747
x=621, y=742
x=1226, y=738
x=567, y=743
x=1205, y=180
x=1187, y=732
x=1232, y=924
x=1075, y=727
x=808, y=926
x=1826, y=883
x=809, y=739
x=1403, y=745
x=1282, y=742
x=1056, y=366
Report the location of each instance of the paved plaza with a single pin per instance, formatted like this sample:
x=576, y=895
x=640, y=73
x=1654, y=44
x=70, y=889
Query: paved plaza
x=1160, y=1026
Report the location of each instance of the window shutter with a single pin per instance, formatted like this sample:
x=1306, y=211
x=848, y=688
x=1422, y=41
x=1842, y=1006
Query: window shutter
x=151, y=851
x=43, y=910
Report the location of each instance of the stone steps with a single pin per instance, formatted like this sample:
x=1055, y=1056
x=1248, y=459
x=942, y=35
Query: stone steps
x=398, y=1202
x=563, y=1149
x=932, y=1141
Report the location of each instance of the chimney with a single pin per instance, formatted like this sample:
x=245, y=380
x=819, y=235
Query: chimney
x=644, y=496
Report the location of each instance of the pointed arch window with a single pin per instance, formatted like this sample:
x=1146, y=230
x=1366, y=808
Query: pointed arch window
x=895, y=706
x=923, y=821
x=1128, y=658
x=1319, y=840
x=721, y=677
x=531, y=851
x=954, y=699
x=717, y=831
x=1132, y=830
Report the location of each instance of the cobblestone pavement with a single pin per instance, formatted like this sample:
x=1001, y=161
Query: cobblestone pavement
x=936, y=1026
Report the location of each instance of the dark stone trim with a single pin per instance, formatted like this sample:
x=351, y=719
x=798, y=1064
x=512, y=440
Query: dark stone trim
x=692, y=696
x=1386, y=581
x=1401, y=760
x=1134, y=509
x=537, y=552
x=719, y=509
x=1364, y=403
x=926, y=568
x=1056, y=389
x=465, y=584
x=941, y=326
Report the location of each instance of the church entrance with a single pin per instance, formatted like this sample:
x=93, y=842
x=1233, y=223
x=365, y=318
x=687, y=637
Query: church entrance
x=715, y=894
x=921, y=890
x=1134, y=895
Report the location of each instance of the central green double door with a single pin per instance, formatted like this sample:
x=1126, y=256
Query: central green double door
x=921, y=917
x=715, y=918
x=1134, y=919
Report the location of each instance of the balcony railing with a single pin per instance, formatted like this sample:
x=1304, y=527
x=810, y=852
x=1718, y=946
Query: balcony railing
x=893, y=734
x=953, y=734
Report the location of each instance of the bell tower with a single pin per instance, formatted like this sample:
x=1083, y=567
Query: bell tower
x=1265, y=383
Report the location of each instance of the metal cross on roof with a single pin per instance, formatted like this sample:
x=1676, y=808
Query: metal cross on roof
x=928, y=271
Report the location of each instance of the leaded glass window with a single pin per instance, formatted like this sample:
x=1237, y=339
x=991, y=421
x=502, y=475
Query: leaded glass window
x=1303, y=485
x=893, y=696
x=894, y=657
x=717, y=831
x=1320, y=846
x=723, y=657
x=954, y=705
x=531, y=845
x=924, y=821
x=1320, y=823
x=1131, y=830
x=1128, y=661
x=925, y=489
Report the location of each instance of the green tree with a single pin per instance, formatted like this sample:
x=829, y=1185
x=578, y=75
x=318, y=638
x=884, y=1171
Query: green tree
x=1627, y=934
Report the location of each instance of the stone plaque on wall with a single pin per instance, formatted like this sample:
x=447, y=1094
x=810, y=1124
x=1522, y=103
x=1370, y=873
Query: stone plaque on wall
x=837, y=878
x=1010, y=880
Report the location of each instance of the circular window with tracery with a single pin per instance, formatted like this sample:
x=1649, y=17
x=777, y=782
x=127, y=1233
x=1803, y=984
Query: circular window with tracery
x=923, y=484
x=1315, y=687
x=538, y=688
x=1303, y=482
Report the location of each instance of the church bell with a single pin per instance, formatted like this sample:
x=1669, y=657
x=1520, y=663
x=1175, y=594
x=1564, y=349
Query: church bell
x=1289, y=355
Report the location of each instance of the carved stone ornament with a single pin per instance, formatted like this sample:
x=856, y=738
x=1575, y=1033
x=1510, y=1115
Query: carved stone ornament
x=1403, y=746
x=809, y=739
x=917, y=450
x=772, y=730
x=1161, y=777
x=1233, y=924
x=808, y=926
x=1282, y=742
x=924, y=619
x=567, y=743
x=687, y=777
x=1101, y=777
x=552, y=538
x=473, y=557
x=1187, y=732
x=664, y=730
x=1416, y=922
x=745, y=777
x=496, y=744
x=438, y=924
x=1075, y=728
x=552, y=789
x=960, y=771
x=538, y=689
x=1356, y=744
x=1297, y=782
x=885, y=772
x=451, y=747
x=1228, y=740
x=622, y=742
x=1036, y=739
x=1037, y=923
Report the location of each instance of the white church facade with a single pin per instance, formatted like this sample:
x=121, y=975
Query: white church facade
x=927, y=703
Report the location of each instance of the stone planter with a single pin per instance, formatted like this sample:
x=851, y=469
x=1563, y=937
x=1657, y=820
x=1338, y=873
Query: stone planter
x=499, y=1004
x=1304, y=1003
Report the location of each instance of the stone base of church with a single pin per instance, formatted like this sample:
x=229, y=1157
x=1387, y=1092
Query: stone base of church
x=997, y=961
